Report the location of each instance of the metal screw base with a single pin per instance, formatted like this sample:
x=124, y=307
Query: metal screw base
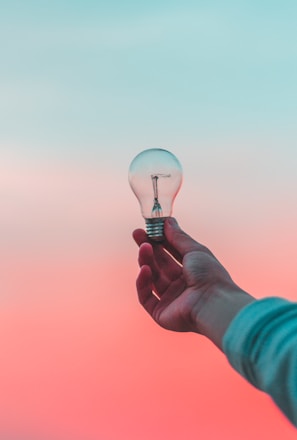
x=155, y=228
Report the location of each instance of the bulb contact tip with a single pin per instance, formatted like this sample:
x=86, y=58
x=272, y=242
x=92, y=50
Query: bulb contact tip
x=155, y=228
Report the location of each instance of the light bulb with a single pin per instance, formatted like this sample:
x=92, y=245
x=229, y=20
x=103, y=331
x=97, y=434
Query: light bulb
x=155, y=176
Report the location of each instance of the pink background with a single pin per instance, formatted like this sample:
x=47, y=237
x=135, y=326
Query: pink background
x=80, y=359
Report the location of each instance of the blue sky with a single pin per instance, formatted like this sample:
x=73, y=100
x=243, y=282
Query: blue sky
x=92, y=76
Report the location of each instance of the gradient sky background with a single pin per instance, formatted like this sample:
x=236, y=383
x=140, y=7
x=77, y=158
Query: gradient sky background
x=84, y=87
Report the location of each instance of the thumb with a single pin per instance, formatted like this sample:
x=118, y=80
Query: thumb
x=178, y=240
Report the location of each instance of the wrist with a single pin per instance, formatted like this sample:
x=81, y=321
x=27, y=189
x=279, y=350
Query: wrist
x=216, y=310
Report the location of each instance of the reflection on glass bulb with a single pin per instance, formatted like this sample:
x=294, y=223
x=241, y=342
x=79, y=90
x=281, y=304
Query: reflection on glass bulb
x=155, y=176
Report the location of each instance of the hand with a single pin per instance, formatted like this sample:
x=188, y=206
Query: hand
x=183, y=286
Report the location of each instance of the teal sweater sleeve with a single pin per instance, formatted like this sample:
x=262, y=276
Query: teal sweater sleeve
x=261, y=344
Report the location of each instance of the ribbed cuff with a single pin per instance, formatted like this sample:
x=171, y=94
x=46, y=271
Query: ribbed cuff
x=248, y=335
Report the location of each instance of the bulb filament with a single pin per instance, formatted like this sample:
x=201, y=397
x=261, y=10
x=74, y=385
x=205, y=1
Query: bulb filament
x=157, y=208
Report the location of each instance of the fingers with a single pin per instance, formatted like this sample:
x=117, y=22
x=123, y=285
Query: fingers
x=140, y=236
x=162, y=261
x=144, y=284
x=178, y=239
x=146, y=256
x=163, y=267
x=180, y=243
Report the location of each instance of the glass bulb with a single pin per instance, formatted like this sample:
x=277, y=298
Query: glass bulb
x=155, y=176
